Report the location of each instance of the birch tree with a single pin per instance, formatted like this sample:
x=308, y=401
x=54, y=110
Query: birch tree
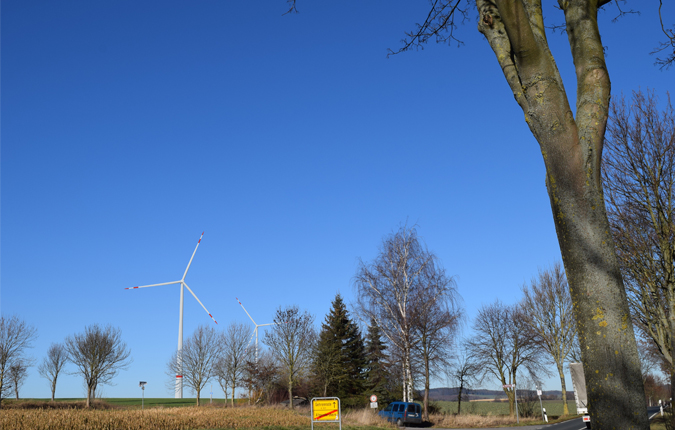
x=385, y=289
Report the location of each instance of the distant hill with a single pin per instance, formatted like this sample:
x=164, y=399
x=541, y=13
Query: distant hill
x=450, y=394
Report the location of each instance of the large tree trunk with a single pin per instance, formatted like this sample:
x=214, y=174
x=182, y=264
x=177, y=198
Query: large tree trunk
x=512, y=399
x=232, y=396
x=290, y=394
x=459, y=398
x=572, y=151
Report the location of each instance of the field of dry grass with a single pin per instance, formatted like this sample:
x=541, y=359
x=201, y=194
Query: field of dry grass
x=151, y=419
x=38, y=416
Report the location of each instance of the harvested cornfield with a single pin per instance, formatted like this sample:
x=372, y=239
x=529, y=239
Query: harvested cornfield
x=473, y=421
x=150, y=419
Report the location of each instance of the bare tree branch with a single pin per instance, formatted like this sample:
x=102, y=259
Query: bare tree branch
x=668, y=45
x=439, y=24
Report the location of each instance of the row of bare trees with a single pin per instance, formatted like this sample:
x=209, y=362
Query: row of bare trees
x=98, y=354
x=227, y=356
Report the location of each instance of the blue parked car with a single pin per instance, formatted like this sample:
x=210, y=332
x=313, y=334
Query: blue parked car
x=402, y=413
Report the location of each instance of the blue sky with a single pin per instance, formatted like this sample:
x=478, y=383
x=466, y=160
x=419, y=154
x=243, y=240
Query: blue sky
x=128, y=128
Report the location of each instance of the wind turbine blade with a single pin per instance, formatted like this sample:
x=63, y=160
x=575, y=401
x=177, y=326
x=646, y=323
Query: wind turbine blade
x=249, y=315
x=154, y=285
x=195, y=296
x=193, y=256
x=261, y=325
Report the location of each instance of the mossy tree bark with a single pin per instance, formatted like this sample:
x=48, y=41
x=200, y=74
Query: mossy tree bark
x=572, y=149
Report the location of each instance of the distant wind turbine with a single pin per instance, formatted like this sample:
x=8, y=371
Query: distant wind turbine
x=179, y=378
x=255, y=332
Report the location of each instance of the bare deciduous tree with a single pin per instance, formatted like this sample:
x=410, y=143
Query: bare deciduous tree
x=547, y=305
x=98, y=354
x=197, y=359
x=639, y=174
x=291, y=341
x=502, y=346
x=52, y=364
x=18, y=372
x=464, y=371
x=229, y=369
x=436, y=317
x=386, y=289
x=15, y=337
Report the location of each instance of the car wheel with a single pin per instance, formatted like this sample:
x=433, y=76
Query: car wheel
x=399, y=422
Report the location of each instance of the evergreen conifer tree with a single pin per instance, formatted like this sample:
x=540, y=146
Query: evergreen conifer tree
x=340, y=356
x=376, y=367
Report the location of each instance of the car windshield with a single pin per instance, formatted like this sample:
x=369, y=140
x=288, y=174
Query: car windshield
x=388, y=408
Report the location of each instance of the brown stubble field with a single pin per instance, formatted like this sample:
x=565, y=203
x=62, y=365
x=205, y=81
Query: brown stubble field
x=107, y=417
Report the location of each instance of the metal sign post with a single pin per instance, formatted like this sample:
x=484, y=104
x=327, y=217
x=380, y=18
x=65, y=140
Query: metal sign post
x=540, y=404
x=142, y=385
x=326, y=410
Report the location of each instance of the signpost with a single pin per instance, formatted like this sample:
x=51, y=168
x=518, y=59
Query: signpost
x=515, y=396
x=373, y=401
x=326, y=410
x=543, y=417
x=142, y=385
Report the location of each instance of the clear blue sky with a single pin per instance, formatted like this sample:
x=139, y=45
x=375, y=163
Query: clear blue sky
x=128, y=128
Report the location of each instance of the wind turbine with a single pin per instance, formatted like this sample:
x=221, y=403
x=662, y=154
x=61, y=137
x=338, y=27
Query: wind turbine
x=179, y=378
x=255, y=332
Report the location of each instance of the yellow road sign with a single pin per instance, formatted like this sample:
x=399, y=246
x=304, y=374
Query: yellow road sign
x=325, y=410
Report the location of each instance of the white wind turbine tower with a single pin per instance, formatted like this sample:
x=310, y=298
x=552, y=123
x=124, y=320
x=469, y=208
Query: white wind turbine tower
x=255, y=332
x=179, y=378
